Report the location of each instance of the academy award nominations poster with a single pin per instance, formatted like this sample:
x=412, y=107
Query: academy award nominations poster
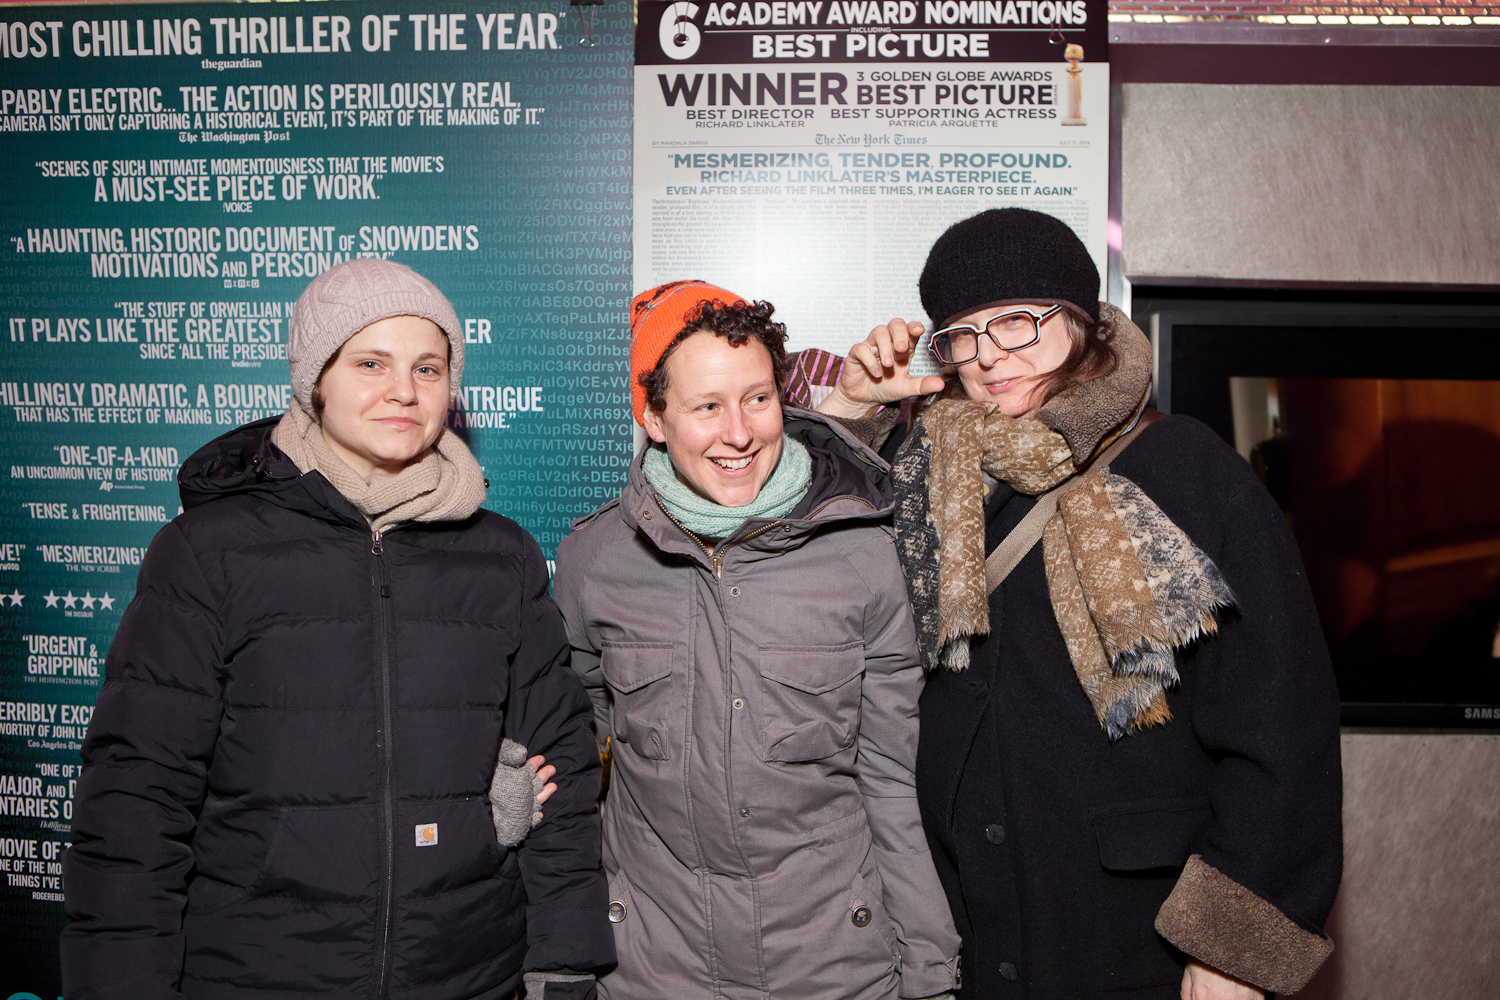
x=172, y=178
x=810, y=152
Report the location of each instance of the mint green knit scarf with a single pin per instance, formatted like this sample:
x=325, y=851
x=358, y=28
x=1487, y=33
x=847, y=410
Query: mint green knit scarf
x=787, y=485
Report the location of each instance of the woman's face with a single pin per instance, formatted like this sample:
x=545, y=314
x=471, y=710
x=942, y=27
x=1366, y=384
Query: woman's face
x=1009, y=379
x=722, y=419
x=385, y=394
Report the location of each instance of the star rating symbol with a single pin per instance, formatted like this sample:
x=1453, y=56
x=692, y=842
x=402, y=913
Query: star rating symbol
x=15, y=597
x=69, y=600
x=51, y=598
x=88, y=600
x=107, y=603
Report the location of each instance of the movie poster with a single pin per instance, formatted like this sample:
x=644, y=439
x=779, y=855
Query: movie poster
x=810, y=152
x=172, y=178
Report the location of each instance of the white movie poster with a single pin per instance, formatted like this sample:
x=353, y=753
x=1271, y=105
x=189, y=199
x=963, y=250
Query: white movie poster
x=809, y=153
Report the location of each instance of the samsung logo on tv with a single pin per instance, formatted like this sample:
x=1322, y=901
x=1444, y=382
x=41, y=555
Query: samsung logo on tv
x=1482, y=713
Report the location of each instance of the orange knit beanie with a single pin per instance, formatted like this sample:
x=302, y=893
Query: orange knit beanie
x=657, y=316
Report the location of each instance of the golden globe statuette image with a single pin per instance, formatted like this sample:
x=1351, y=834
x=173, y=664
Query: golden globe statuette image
x=1074, y=54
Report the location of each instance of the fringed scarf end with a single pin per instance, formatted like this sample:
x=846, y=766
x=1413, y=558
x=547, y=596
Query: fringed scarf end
x=1206, y=625
x=1140, y=709
x=956, y=653
x=1152, y=661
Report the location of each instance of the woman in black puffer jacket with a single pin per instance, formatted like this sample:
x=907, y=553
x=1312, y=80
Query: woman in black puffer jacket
x=286, y=776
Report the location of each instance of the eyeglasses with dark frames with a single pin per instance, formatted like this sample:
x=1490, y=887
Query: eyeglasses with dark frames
x=1009, y=331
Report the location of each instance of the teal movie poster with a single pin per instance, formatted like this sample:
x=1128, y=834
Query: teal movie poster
x=172, y=177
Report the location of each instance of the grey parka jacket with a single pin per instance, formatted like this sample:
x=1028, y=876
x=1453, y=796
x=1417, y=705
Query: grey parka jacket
x=761, y=833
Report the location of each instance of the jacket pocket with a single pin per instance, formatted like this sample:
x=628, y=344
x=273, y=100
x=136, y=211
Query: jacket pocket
x=233, y=841
x=869, y=890
x=207, y=896
x=325, y=855
x=1150, y=833
x=810, y=700
x=639, y=675
x=462, y=850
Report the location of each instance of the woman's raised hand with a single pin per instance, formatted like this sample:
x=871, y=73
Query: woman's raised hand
x=877, y=372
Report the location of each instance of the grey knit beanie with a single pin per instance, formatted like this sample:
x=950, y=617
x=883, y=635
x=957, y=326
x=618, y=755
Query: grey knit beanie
x=345, y=299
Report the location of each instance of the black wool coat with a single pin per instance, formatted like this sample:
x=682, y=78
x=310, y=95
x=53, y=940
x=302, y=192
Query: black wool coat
x=1058, y=848
x=289, y=708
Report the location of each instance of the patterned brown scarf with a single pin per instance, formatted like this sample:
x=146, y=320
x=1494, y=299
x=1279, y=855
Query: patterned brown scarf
x=1127, y=585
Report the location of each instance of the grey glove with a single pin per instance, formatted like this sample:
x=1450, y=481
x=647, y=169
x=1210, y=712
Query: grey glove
x=560, y=986
x=513, y=792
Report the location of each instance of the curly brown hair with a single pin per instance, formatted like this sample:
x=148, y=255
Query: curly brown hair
x=738, y=323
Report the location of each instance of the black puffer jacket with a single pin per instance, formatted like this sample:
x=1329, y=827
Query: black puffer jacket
x=287, y=706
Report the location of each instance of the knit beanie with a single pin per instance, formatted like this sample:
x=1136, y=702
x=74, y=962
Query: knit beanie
x=345, y=299
x=1004, y=256
x=657, y=316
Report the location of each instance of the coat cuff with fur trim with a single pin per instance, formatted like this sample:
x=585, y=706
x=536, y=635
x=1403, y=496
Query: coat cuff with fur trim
x=1221, y=923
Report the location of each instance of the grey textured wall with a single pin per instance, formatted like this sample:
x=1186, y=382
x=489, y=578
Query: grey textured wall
x=1419, y=912
x=1351, y=184
x=1304, y=183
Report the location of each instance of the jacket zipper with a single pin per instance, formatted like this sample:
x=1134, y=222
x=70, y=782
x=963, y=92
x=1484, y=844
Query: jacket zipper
x=713, y=560
x=754, y=534
x=388, y=769
x=715, y=556
x=716, y=560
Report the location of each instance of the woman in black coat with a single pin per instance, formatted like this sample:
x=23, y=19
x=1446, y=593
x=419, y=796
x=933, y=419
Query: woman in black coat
x=286, y=778
x=1129, y=760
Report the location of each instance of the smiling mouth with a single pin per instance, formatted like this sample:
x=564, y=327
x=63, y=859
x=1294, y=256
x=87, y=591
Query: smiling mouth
x=732, y=464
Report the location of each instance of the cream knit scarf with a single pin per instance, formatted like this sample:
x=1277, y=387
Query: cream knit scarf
x=445, y=484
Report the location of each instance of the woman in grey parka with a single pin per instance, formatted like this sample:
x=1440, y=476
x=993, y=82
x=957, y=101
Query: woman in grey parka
x=740, y=618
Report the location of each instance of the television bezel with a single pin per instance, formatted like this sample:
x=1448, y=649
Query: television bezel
x=1163, y=327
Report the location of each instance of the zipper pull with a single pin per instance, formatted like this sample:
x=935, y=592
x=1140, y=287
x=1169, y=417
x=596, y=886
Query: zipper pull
x=377, y=544
x=717, y=562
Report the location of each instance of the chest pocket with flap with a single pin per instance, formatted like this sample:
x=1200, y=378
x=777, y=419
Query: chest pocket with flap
x=639, y=675
x=810, y=700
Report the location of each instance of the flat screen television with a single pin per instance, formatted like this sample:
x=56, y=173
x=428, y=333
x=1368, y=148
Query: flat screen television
x=1378, y=434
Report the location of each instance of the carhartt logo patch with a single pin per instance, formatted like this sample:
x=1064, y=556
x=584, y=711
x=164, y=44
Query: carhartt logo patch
x=426, y=834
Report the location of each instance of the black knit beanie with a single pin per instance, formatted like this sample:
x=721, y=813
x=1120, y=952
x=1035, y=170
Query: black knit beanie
x=1008, y=255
